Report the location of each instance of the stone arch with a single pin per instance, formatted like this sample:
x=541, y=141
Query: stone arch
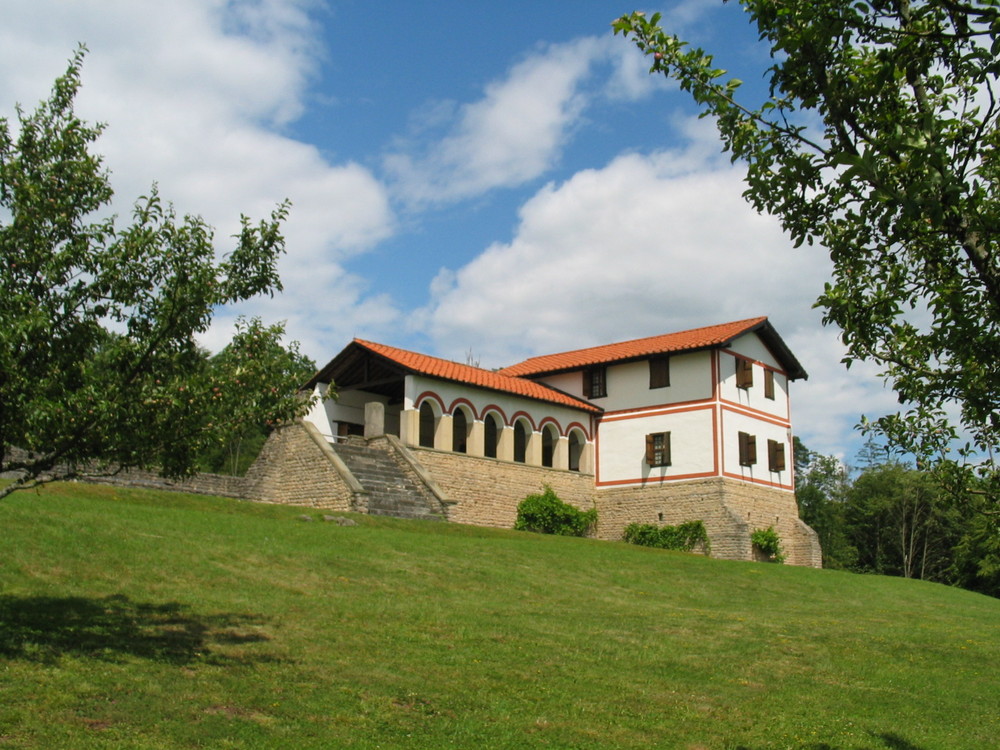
x=522, y=434
x=462, y=418
x=550, y=438
x=493, y=423
x=577, y=444
x=430, y=416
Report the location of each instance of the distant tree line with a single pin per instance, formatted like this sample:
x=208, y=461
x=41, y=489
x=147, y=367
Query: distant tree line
x=889, y=518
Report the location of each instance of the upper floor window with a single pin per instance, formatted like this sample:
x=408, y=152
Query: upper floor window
x=659, y=372
x=595, y=382
x=769, y=384
x=748, y=449
x=658, y=449
x=775, y=455
x=744, y=372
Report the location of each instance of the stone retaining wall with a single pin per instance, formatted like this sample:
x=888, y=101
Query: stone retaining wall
x=486, y=491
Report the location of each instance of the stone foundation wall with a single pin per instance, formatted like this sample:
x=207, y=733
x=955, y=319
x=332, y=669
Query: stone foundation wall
x=199, y=484
x=294, y=469
x=761, y=507
x=672, y=504
x=486, y=491
x=730, y=510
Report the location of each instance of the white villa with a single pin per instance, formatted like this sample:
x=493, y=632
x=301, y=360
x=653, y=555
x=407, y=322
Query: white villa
x=694, y=425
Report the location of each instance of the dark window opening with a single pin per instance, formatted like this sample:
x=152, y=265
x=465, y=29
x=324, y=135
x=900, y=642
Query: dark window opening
x=659, y=372
x=595, y=383
x=744, y=372
x=748, y=449
x=658, y=449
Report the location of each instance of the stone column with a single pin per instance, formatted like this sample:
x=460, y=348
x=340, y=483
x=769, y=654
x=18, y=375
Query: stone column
x=409, y=427
x=505, y=446
x=442, y=433
x=560, y=454
x=533, y=453
x=374, y=419
x=476, y=444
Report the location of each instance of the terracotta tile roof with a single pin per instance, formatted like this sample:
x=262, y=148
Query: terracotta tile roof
x=696, y=338
x=444, y=369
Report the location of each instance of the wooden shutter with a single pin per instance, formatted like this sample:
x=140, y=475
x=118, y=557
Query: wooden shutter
x=775, y=455
x=659, y=372
x=744, y=372
x=769, y=384
x=748, y=449
x=658, y=449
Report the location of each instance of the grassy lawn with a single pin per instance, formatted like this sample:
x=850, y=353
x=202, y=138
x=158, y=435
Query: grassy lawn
x=136, y=619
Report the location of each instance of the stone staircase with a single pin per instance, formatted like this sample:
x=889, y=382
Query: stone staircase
x=391, y=490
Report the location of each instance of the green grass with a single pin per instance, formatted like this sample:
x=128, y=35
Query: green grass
x=135, y=619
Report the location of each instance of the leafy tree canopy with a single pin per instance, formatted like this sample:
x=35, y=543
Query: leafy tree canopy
x=879, y=141
x=99, y=368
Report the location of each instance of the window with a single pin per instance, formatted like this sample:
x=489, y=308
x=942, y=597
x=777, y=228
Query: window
x=744, y=372
x=769, y=384
x=659, y=372
x=748, y=449
x=595, y=383
x=658, y=449
x=775, y=455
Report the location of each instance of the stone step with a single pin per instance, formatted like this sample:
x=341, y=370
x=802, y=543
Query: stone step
x=391, y=491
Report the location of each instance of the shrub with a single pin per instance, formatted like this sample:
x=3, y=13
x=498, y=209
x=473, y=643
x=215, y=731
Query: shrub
x=683, y=538
x=768, y=543
x=547, y=514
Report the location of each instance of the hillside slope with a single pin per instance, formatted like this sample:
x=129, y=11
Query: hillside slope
x=135, y=619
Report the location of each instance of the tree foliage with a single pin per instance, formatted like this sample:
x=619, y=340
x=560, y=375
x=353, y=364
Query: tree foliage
x=879, y=141
x=99, y=367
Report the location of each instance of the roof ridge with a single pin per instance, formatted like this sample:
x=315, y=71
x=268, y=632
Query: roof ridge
x=574, y=356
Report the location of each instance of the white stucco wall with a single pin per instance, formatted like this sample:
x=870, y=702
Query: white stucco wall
x=621, y=447
x=752, y=397
x=348, y=406
x=628, y=383
x=509, y=405
x=735, y=421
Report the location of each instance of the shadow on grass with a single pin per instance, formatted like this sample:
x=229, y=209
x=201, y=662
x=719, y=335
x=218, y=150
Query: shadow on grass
x=43, y=629
x=887, y=741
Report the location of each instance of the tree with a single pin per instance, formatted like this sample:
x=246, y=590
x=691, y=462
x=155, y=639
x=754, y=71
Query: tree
x=879, y=141
x=234, y=454
x=99, y=368
x=901, y=525
x=821, y=485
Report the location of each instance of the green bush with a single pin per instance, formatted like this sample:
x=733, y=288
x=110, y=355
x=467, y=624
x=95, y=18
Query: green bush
x=684, y=538
x=768, y=543
x=547, y=514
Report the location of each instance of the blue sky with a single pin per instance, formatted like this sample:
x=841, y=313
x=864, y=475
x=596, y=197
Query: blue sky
x=468, y=178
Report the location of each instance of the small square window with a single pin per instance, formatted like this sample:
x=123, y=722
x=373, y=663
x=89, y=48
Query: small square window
x=744, y=372
x=658, y=449
x=659, y=372
x=595, y=383
x=748, y=449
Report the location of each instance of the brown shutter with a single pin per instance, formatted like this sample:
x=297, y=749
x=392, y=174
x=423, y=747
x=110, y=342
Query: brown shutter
x=588, y=382
x=769, y=384
x=666, y=449
x=775, y=455
x=650, y=451
x=659, y=372
x=744, y=372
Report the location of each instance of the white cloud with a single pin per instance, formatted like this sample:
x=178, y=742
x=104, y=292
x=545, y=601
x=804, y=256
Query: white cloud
x=517, y=130
x=646, y=245
x=196, y=94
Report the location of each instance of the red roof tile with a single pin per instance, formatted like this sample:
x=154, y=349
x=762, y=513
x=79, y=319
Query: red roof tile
x=696, y=338
x=444, y=369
